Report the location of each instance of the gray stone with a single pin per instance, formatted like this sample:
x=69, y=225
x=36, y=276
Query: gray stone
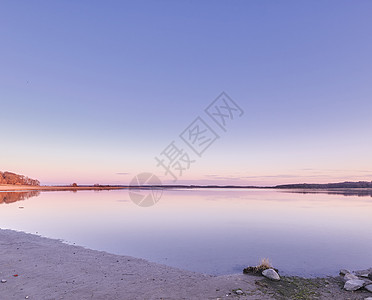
x=349, y=276
x=353, y=284
x=343, y=272
x=239, y=292
x=366, y=281
x=368, y=288
x=361, y=272
x=271, y=274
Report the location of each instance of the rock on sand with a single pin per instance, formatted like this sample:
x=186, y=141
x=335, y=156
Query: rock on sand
x=271, y=274
x=368, y=288
x=353, y=284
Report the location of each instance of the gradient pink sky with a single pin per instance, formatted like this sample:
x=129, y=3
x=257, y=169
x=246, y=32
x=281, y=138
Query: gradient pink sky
x=91, y=93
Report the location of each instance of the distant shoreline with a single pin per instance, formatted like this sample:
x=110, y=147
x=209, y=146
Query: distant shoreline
x=8, y=187
x=301, y=188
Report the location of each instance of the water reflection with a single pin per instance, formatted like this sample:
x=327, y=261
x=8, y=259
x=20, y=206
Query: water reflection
x=211, y=231
x=344, y=192
x=10, y=197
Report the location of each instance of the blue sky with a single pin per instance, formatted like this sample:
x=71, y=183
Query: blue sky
x=90, y=89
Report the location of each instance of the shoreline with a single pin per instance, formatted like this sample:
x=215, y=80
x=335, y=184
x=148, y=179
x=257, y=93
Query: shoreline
x=335, y=191
x=19, y=188
x=50, y=269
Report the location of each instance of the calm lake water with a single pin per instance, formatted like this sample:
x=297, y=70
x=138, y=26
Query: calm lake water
x=208, y=231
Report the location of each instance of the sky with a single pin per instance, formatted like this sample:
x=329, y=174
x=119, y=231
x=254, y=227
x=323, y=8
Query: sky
x=95, y=91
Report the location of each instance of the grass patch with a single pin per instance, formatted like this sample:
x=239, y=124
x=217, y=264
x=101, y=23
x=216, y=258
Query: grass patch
x=294, y=288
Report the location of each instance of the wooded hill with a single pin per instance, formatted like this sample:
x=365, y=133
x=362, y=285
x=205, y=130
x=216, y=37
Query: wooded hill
x=15, y=179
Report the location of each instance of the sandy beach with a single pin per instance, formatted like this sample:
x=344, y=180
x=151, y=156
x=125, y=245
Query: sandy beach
x=50, y=269
x=39, y=268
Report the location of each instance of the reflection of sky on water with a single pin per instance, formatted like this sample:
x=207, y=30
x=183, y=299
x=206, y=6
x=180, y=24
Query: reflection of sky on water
x=211, y=231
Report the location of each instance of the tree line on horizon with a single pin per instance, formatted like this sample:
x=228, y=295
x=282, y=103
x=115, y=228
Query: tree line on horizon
x=339, y=185
x=15, y=179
